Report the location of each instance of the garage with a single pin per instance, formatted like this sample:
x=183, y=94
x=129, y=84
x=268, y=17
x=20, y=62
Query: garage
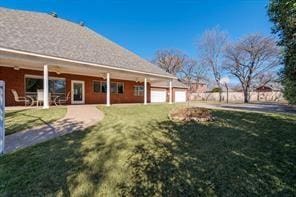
x=180, y=96
x=158, y=95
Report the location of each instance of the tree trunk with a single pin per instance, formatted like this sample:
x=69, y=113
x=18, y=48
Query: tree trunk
x=246, y=96
x=226, y=93
x=188, y=93
x=220, y=93
x=220, y=88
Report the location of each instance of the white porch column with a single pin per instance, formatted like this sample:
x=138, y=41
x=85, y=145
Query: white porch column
x=171, y=93
x=108, y=90
x=145, y=91
x=45, y=87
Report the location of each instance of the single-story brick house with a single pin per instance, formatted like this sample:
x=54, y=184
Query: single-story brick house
x=39, y=51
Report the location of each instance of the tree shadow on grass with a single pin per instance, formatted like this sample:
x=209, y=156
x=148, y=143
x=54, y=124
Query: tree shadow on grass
x=20, y=120
x=64, y=166
x=239, y=154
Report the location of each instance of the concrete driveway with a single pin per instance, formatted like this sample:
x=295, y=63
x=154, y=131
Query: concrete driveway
x=255, y=107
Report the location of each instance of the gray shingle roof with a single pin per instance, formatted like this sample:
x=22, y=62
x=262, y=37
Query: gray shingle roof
x=44, y=34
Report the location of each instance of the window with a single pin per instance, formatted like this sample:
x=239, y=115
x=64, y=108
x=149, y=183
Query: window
x=59, y=86
x=32, y=84
x=138, y=90
x=113, y=87
x=120, y=87
x=117, y=87
x=96, y=86
x=103, y=86
x=56, y=86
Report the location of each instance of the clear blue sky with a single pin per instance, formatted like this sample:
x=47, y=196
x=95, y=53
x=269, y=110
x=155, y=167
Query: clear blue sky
x=145, y=26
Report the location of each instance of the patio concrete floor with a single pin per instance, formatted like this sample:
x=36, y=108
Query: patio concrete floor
x=77, y=118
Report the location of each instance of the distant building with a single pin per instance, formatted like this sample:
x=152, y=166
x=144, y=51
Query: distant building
x=264, y=89
x=198, y=87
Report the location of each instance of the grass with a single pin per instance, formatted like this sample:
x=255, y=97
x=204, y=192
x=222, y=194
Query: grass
x=19, y=120
x=137, y=151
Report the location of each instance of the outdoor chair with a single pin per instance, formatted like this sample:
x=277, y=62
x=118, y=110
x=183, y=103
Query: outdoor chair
x=62, y=100
x=40, y=97
x=24, y=99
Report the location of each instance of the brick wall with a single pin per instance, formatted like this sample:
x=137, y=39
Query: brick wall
x=15, y=79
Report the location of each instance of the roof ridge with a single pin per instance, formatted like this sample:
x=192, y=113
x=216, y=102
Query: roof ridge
x=47, y=14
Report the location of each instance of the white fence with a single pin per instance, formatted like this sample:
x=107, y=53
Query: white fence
x=275, y=96
x=2, y=116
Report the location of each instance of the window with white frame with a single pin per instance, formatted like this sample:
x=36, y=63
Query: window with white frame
x=101, y=86
x=33, y=83
x=138, y=90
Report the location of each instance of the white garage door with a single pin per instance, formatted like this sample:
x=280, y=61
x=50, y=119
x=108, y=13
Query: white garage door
x=158, y=95
x=180, y=96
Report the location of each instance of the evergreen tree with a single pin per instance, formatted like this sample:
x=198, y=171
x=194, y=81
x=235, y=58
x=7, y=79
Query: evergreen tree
x=283, y=14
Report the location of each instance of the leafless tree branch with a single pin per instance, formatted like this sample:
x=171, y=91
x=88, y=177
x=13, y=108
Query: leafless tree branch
x=249, y=58
x=211, y=47
x=171, y=60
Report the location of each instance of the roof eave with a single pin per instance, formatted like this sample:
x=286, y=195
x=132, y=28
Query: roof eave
x=85, y=63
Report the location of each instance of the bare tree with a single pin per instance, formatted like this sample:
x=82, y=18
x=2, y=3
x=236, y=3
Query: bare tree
x=192, y=72
x=264, y=79
x=235, y=87
x=249, y=58
x=179, y=64
x=211, y=47
x=171, y=60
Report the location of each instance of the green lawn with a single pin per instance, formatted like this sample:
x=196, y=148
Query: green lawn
x=137, y=151
x=19, y=120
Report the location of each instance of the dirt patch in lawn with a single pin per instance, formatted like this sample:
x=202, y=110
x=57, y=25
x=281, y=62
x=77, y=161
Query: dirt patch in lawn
x=191, y=114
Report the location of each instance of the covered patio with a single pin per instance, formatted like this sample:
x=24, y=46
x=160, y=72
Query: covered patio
x=75, y=82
